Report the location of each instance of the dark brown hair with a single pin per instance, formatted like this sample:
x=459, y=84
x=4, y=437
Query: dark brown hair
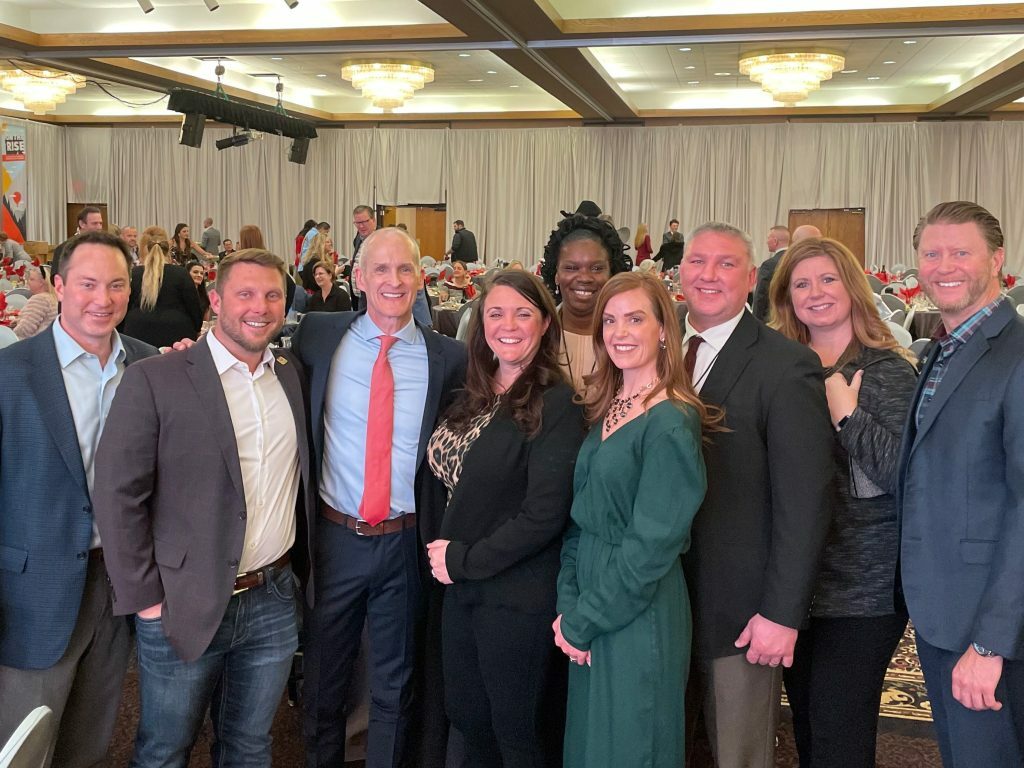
x=525, y=398
x=250, y=236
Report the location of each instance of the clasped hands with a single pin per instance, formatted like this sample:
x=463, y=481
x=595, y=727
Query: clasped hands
x=769, y=643
x=575, y=654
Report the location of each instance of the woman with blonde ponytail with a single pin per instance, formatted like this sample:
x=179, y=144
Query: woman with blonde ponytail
x=164, y=306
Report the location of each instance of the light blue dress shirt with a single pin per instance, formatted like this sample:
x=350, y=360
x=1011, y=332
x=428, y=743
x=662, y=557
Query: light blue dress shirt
x=346, y=407
x=90, y=389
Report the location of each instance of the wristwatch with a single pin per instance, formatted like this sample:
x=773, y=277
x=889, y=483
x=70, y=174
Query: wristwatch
x=842, y=423
x=981, y=650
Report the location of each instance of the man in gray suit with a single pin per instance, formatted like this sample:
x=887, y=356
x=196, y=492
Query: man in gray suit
x=961, y=494
x=60, y=643
x=778, y=242
x=203, y=495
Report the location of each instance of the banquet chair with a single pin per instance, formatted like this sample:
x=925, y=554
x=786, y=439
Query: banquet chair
x=918, y=347
x=29, y=745
x=895, y=303
x=7, y=336
x=908, y=321
x=16, y=301
x=5, y=285
x=427, y=261
x=892, y=288
x=912, y=272
x=1017, y=294
x=898, y=317
x=901, y=334
x=20, y=292
x=1020, y=310
x=910, y=281
x=898, y=268
x=446, y=270
x=875, y=283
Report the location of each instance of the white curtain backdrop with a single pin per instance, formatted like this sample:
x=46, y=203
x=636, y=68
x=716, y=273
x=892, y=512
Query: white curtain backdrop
x=45, y=184
x=509, y=185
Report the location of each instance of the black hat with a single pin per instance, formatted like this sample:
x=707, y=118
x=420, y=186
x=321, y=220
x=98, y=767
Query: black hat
x=585, y=208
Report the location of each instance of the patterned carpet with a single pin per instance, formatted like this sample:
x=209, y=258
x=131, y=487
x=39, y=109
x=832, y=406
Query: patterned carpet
x=905, y=738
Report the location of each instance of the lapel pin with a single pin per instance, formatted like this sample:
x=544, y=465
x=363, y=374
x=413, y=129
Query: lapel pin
x=282, y=360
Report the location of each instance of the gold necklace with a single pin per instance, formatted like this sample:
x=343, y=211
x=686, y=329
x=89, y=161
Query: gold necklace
x=621, y=406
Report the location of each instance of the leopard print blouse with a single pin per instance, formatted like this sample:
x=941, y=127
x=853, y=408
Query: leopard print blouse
x=447, y=449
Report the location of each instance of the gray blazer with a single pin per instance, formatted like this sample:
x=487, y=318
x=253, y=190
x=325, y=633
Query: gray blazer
x=961, y=496
x=169, y=498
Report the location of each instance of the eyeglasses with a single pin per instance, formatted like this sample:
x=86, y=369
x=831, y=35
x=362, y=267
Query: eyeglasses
x=357, y=222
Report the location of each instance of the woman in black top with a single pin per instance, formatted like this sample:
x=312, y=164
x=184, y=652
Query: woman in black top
x=821, y=298
x=183, y=250
x=505, y=453
x=163, y=307
x=329, y=297
x=198, y=274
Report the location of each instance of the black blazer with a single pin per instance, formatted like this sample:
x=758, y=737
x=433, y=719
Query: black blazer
x=762, y=301
x=337, y=301
x=318, y=337
x=961, y=495
x=177, y=315
x=759, y=535
x=507, y=514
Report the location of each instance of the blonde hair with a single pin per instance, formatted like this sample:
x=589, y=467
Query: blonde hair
x=41, y=271
x=869, y=330
x=673, y=380
x=318, y=250
x=641, y=233
x=155, y=249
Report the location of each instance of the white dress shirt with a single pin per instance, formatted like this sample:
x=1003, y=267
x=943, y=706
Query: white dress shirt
x=714, y=339
x=268, y=452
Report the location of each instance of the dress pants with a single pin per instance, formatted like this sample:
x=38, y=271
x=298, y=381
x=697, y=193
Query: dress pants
x=969, y=739
x=361, y=579
x=240, y=677
x=740, y=703
x=505, y=685
x=83, y=688
x=835, y=686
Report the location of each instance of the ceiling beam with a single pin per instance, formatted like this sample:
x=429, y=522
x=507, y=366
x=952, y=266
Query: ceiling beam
x=993, y=88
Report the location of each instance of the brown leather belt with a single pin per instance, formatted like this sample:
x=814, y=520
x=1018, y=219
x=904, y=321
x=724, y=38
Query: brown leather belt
x=258, y=577
x=362, y=528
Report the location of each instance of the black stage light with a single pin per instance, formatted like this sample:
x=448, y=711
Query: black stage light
x=235, y=140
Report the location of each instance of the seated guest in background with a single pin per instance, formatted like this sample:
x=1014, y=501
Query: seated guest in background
x=821, y=298
x=642, y=243
x=329, y=297
x=961, y=493
x=183, y=250
x=198, y=274
x=319, y=252
x=760, y=532
x=164, y=305
x=12, y=250
x=41, y=308
x=461, y=281
x=60, y=644
x=227, y=248
x=582, y=253
x=505, y=453
x=673, y=235
x=210, y=468
x=515, y=264
x=624, y=618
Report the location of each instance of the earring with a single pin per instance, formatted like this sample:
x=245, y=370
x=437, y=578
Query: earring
x=661, y=344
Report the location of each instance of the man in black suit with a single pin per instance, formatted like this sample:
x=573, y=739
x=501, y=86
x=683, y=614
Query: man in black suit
x=778, y=242
x=758, y=537
x=368, y=369
x=90, y=219
x=961, y=494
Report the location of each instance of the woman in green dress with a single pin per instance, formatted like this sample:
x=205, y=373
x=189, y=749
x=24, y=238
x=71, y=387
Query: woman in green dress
x=624, y=615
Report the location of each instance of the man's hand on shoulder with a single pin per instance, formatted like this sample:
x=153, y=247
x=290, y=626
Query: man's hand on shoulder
x=975, y=678
x=770, y=643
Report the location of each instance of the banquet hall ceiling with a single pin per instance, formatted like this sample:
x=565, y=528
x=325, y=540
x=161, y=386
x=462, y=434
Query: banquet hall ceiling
x=599, y=61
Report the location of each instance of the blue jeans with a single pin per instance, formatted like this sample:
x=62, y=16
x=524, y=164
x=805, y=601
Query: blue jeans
x=240, y=676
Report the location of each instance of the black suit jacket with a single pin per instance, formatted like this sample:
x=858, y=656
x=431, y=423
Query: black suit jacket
x=169, y=498
x=961, y=495
x=506, y=516
x=765, y=273
x=759, y=535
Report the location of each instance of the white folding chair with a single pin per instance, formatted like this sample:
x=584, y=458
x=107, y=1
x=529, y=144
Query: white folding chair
x=918, y=345
x=1020, y=310
x=20, y=292
x=7, y=336
x=909, y=319
x=895, y=303
x=875, y=283
x=901, y=334
x=5, y=285
x=1017, y=294
x=16, y=301
x=29, y=745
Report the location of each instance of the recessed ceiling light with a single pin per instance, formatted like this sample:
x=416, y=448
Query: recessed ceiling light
x=491, y=72
x=275, y=58
x=722, y=74
x=513, y=86
x=691, y=67
x=463, y=55
x=848, y=71
x=890, y=61
x=684, y=50
x=477, y=80
x=321, y=75
x=874, y=77
x=693, y=82
x=910, y=42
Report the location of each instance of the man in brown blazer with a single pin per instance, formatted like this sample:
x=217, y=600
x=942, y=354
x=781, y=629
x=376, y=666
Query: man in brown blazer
x=203, y=501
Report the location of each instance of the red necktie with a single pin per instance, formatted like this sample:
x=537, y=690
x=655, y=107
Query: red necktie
x=690, y=360
x=380, y=422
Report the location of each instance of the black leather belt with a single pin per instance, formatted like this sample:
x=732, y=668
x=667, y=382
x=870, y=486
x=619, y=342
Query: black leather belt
x=258, y=578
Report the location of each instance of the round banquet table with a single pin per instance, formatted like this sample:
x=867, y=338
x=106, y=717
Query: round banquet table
x=446, y=320
x=924, y=323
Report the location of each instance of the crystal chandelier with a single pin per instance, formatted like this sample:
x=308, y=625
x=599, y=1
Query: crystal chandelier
x=790, y=77
x=39, y=90
x=387, y=84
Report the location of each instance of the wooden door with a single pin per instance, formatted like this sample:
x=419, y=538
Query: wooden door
x=431, y=231
x=843, y=224
x=74, y=208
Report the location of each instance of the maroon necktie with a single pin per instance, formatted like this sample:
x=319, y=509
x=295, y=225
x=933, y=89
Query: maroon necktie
x=380, y=422
x=690, y=360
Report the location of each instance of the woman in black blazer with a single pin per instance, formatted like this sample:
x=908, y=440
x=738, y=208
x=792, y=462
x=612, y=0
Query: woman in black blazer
x=329, y=297
x=506, y=453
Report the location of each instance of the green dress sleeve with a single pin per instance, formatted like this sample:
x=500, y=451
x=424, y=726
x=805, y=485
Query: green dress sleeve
x=568, y=586
x=669, y=492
